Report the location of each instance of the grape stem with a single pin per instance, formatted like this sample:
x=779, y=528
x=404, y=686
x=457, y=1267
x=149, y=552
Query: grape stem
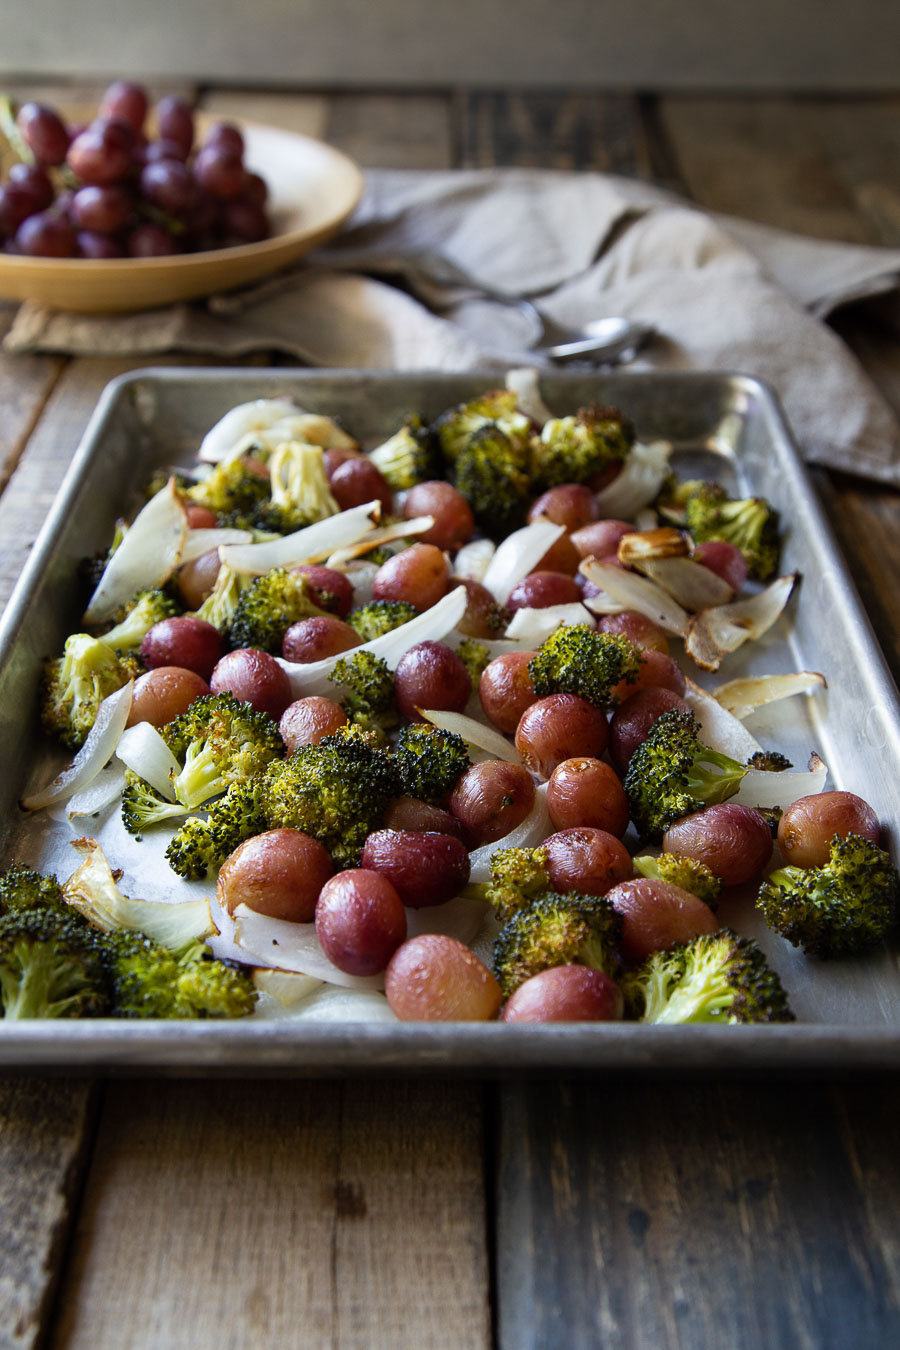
x=15, y=142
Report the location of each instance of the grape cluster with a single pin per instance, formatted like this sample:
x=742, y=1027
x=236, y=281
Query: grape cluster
x=106, y=190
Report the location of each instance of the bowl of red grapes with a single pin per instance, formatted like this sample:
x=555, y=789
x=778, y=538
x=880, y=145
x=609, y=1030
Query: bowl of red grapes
x=142, y=204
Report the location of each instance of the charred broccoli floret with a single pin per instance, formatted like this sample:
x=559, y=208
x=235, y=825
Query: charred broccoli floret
x=219, y=741
x=232, y=485
x=771, y=761
x=410, y=456
x=496, y=409
x=337, y=791
x=368, y=684
x=220, y=605
x=75, y=684
x=491, y=474
x=557, y=930
x=576, y=659
x=719, y=977
x=143, y=807
x=431, y=761
x=475, y=656
x=137, y=618
x=575, y=449
x=299, y=487
x=22, y=888
x=149, y=980
x=845, y=906
x=199, y=846
x=519, y=876
x=379, y=617
x=266, y=609
x=672, y=774
x=679, y=870
x=50, y=965
x=750, y=524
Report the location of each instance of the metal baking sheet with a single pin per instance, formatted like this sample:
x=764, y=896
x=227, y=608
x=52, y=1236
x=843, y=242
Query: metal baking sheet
x=728, y=426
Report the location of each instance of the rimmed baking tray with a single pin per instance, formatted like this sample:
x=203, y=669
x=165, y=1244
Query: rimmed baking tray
x=727, y=426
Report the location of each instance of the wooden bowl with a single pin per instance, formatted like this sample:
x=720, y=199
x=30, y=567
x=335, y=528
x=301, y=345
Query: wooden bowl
x=312, y=190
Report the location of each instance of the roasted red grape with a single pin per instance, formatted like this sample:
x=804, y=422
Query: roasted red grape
x=454, y=523
x=600, y=538
x=734, y=841
x=278, y=873
x=632, y=720
x=419, y=574
x=492, y=798
x=640, y=630
x=163, y=693
x=588, y=860
x=541, y=589
x=556, y=728
x=809, y=824
x=506, y=689
x=314, y=639
x=585, y=791
x=183, y=641
x=426, y=868
x=330, y=590
x=356, y=482
x=565, y=994
x=254, y=676
x=360, y=921
x=434, y=978
x=307, y=720
x=571, y=505
x=430, y=675
x=656, y=915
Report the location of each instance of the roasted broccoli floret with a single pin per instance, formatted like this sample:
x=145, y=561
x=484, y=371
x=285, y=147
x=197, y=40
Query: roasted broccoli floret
x=220, y=605
x=557, y=930
x=267, y=608
x=299, y=487
x=576, y=659
x=149, y=980
x=750, y=524
x=575, y=449
x=337, y=791
x=138, y=617
x=368, y=685
x=410, y=456
x=491, y=474
x=232, y=485
x=719, y=977
x=845, y=906
x=22, y=888
x=672, y=774
x=431, y=761
x=496, y=409
x=679, y=870
x=143, y=807
x=379, y=617
x=50, y=965
x=519, y=876
x=220, y=740
x=75, y=684
x=475, y=656
x=201, y=846
x=771, y=761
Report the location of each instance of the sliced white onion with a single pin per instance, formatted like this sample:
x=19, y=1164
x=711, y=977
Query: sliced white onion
x=713, y=633
x=332, y=1004
x=533, y=830
x=287, y=986
x=762, y=788
x=314, y=543
x=146, y=557
x=530, y=627
x=430, y=626
x=473, y=732
x=93, y=891
x=143, y=750
x=474, y=559
x=361, y=575
x=719, y=729
x=97, y=796
x=641, y=478
x=238, y=427
x=459, y=918
x=694, y=586
x=635, y=592
x=741, y=697
x=400, y=529
x=524, y=382
x=97, y=751
x=292, y=946
x=518, y=555
x=198, y=542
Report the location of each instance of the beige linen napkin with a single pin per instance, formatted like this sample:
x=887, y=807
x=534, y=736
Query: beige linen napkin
x=415, y=282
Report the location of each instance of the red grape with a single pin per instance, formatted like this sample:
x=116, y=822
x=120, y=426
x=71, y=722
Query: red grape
x=430, y=675
x=244, y=221
x=163, y=693
x=127, y=102
x=330, y=590
x=226, y=136
x=434, y=978
x=727, y=561
x=278, y=873
x=492, y=798
x=254, y=676
x=45, y=235
x=656, y=915
x=307, y=720
x=91, y=244
x=734, y=841
x=419, y=574
x=588, y=860
x=454, y=523
x=44, y=132
x=360, y=921
x=506, y=689
x=541, y=589
x=151, y=241
x=809, y=824
x=572, y=505
x=640, y=630
x=183, y=640
x=357, y=481
x=101, y=209
x=175, y=122
x=316, y=638
x=585, y=791
x=556, y=728
x=220, y=171
x=632, y=720
x=565, y=994
x=167, y=183
x=101, y=154
x=33, y=184
x=425, y=867
x=600, y=538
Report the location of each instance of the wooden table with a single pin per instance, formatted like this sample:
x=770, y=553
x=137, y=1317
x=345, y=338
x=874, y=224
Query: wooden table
x=192, y=1215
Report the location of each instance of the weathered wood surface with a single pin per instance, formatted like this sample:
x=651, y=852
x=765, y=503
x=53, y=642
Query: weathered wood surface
x=246, y=1216
x=362, y=1215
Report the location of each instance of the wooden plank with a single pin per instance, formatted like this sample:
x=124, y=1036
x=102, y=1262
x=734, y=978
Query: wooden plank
x=692, y=1216
x=306, y=114
x=392, y=131
x=547, y=130
x=241, y=1216
x=25, y=384
x=44, y=1126
x=824, y=167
